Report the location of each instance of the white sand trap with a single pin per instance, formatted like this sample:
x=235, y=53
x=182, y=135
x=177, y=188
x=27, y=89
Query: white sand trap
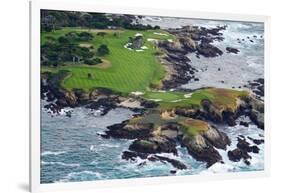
x=137, y=93
x=160, y=34
x=170, y=40
x=156, y=100
x=188, y=95
x=130, y=103
x=175, y=101
x=139, y=50
x=138, y=34
x=144, y=47
x=152, y=40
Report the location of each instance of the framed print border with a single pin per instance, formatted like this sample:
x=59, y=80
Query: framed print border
x=86, y=5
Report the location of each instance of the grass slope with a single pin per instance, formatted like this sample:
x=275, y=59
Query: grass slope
x=221, y=98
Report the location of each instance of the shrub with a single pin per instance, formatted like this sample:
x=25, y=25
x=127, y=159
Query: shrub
x=93, y=61
x=103, y=50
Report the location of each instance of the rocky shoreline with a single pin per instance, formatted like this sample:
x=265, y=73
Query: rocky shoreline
x=189, y=39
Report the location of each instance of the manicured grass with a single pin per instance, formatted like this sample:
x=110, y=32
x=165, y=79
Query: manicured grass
x=129, y=70
x=221, y=98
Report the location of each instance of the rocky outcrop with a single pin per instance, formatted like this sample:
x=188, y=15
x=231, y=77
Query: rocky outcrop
x=131, y=155
x=127, y=131
x=189, y=39
x=200, y=138
x=232, y=50
x=201, y=149
x=208, y=50
x=153, y=145
x=246, y=105
x=242, y=151
x=257, y=86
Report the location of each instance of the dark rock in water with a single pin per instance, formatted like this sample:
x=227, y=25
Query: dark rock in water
x=232, y=50
x=54, y=108
x=244, y=123
x=153, y=145
x=243, y=145
x=247, y=162
x=242, y=150
x=235, y=155
x=61, y=102
x=68, y=114
x=257, y=86
x=177, y=164
x=173, y=171
x=106, y=104
x=255, y=149
x=50, y=96
x=256, y=141
x=257, y=118
x=129, y=155
x=142, y=164
x=208, y=50
x=251, y=41
x=219, y=69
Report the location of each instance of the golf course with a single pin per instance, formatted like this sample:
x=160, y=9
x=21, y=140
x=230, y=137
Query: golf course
x=122, y=70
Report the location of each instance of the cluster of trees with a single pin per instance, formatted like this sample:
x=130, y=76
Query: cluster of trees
x=67, y=49
x=51, y=20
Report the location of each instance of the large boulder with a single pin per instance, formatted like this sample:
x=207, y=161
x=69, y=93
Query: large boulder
x=129, y=131
x=153, y=145
x=201, y=149
x=208, y=50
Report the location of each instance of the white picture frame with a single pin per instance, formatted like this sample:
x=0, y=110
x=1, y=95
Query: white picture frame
x=36, y=6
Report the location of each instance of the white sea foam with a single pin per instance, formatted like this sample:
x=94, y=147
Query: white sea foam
x=52, y=153
x=75, y=175
x=60, y=163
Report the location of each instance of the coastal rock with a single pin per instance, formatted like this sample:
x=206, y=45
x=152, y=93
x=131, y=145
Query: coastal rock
x=208, y=50
x=256, y=141
x=188, y=43
x=232, y=50
x=201, y=149
x=125, y=131
x=131, y=155
x=237, y=154
x=153, y=145
x=175, y=163
x=104, y=104
x=217, y=138
x=70, y=98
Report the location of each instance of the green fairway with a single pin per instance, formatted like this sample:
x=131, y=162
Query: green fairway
x=129, y=70
x=221, y=98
